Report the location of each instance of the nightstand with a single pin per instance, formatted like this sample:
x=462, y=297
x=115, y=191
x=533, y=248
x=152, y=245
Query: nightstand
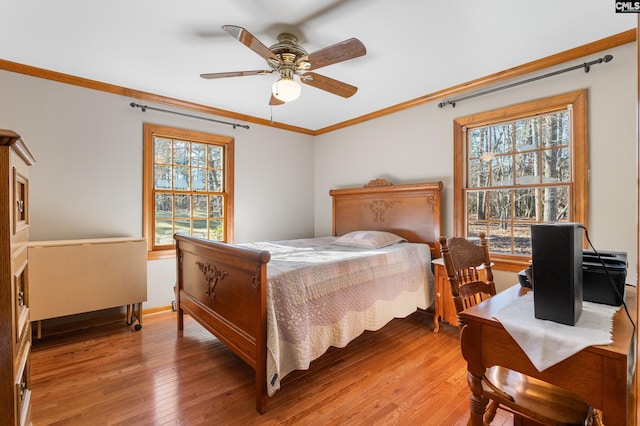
x=444, y=308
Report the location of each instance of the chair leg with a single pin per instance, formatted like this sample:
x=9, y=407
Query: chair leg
x=489, y=415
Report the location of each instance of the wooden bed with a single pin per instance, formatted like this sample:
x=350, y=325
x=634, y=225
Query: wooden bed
x=223, y=286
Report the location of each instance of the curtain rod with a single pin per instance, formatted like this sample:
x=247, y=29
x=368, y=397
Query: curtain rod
x=145, y=107
x=586, y=66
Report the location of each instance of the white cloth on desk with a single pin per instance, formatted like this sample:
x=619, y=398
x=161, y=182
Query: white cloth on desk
x=547, y=342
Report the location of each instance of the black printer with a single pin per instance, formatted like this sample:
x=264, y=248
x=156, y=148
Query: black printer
x=596, y=284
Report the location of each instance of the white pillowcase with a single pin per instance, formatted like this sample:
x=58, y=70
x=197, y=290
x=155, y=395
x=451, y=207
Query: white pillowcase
x=369, y=239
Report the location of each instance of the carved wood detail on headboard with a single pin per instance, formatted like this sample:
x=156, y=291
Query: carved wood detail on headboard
x=379, y=208
x=377, y=182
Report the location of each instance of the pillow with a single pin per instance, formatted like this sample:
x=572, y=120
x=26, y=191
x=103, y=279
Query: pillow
x=368, y=239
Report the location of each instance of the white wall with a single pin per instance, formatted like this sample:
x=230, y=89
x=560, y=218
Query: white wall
x=87, y=181
x=416, y=145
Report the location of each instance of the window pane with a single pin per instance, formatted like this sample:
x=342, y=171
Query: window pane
x=502, y=170
x=525, y=204
x=183, y=226
x=200, y=228
x=527, y=168
x=478, y=173
x=502, y=138
x=215, y=157
x=216, y=206
x=500, y=205
x=479, y=143
x=181, y=178
x=198, y=175
x=522, y=239
x=216, y=230
x=164, y=206
x=183, y=206
x=164, y=232
x=477, y=205
x=215, y=180
x=200, y=206
x=555, y=204
x=162, y=177
x=181, y=153
x=527, y=134
x=499, y=237
x=162, y=150
x=556, y=166
x=555, y=129
x=198, y=155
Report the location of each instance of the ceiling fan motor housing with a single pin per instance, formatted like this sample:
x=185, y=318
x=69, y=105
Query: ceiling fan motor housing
x=290, y=52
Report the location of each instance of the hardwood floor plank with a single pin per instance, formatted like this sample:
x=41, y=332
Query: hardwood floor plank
x=112, y=375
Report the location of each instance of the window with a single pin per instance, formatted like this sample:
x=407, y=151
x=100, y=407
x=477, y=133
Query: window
x=519, y=166
x=188, y=187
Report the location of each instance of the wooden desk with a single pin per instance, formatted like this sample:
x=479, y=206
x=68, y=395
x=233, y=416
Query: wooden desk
x=601, y=375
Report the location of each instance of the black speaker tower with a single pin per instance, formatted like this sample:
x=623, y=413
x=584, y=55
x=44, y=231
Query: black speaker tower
x=557, y=271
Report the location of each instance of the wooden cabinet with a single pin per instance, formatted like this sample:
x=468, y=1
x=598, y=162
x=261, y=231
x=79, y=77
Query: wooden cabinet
x=445, y=310
x=15, y=328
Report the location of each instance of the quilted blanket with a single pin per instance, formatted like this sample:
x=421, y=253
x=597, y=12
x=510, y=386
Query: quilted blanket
x=320, y=294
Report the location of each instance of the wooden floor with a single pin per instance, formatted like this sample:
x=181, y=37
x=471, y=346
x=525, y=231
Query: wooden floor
x=112, y=375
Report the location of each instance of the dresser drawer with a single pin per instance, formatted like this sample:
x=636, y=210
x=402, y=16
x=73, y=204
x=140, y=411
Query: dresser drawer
x=20, y=295
x=23, y=384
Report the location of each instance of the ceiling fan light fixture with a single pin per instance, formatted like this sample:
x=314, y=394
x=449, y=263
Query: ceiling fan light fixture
x=286, y=90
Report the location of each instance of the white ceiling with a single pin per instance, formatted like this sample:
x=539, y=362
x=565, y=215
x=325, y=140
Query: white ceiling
x=414, y=47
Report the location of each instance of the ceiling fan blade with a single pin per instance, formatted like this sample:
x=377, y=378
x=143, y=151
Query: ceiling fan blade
x=275, y=101
x=246, y=38
x=328, y=84
x=347, y=49
x=212, y=75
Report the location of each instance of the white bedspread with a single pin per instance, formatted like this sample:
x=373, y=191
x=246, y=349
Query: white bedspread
x=321, y=295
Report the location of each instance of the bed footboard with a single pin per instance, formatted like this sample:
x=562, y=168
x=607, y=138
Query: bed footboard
x=224, y=288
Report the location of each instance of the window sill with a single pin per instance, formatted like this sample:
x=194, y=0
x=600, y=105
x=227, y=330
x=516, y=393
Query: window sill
x=510, y=263
x=161, y=254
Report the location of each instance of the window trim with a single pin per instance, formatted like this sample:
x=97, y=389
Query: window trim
x=149, y=132
x=579, y=166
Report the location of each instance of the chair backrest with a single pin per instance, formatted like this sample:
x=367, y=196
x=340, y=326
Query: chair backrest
x=465, y=263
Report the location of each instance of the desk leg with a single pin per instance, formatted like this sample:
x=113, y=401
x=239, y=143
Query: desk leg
x=477, y=402
x=470, y=341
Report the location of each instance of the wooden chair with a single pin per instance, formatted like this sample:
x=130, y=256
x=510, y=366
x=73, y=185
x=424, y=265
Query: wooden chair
x=531, y=401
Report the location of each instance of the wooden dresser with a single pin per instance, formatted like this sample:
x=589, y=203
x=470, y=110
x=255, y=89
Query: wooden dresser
x=15, y=328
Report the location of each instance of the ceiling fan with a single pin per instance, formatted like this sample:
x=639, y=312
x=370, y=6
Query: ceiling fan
x=290, y=59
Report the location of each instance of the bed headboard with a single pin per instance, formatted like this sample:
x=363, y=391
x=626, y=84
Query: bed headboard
x=410, y=211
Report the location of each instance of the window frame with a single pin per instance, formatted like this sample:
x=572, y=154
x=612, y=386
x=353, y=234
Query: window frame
x=579, y=164
x=150, y=131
